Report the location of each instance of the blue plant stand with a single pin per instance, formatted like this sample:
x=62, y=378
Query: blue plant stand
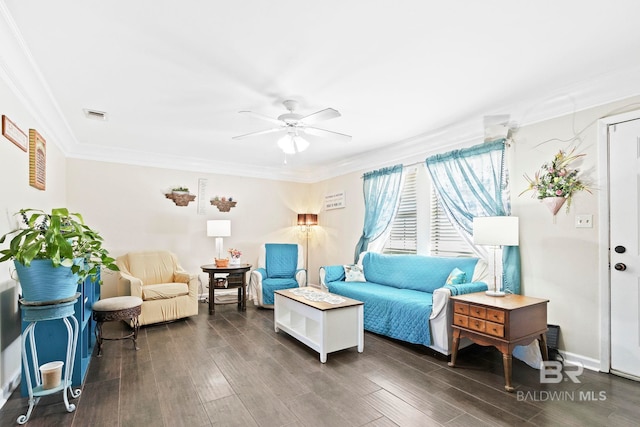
x=34, y=312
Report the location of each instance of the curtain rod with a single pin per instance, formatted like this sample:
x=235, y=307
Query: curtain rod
x=424, y=162
x=421, y=162
x=403, y=166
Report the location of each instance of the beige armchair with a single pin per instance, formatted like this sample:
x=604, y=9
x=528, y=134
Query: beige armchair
x=168, y=292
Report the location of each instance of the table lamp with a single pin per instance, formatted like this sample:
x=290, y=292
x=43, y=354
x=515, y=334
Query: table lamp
x=496, y=231
x=219, y=228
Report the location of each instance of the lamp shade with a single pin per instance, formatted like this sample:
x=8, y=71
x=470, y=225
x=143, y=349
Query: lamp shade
x=308, y=219
x=496, y=230
x=219, y=228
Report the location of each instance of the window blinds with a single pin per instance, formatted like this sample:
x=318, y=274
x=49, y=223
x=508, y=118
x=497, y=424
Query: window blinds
x=403, y=237
x=445, y=239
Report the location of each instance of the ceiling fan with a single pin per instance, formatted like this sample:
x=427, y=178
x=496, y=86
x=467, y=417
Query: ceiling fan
x=295, y=126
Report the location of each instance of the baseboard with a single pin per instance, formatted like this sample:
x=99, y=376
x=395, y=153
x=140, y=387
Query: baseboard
x=578, y=359
x=9, y=387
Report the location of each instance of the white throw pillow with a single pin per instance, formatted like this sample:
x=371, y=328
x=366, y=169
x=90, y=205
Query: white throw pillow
x=353, y=273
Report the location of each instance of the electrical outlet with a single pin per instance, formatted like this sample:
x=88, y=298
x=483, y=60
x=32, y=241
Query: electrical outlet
x=584, y=221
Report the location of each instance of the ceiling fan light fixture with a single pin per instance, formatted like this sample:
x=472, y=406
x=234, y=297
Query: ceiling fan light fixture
x=292, y=144
x=300, y=143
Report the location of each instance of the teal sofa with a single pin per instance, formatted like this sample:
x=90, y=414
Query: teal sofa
x=406, y=297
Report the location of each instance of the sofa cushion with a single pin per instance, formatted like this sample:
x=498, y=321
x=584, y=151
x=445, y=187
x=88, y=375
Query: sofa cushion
x=398, y=313
x=152, y=267
x=418, y=272
x=281, y=260
x=164, y=291
x=270, y=285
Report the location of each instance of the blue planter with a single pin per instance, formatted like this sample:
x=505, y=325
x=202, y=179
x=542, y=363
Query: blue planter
x=41, y=281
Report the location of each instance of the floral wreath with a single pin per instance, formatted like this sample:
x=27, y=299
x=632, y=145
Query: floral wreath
x=557, y=179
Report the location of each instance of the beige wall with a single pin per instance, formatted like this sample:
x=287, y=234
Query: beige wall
x=560, y=261
x=15, y=194
x=127, y=205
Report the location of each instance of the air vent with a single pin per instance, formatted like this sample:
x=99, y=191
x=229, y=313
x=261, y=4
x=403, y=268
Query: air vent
x=95, y=115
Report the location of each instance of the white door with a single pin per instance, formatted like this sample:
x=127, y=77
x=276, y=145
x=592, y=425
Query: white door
x=624, y=192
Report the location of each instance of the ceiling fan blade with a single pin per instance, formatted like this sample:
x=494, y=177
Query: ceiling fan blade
x=319, y=116
x=260, y=132
x=323, y=132
x=262, y=117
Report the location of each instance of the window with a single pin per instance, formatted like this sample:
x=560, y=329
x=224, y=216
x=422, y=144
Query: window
x=403, y=237
x=445, y=239
x=421, y=225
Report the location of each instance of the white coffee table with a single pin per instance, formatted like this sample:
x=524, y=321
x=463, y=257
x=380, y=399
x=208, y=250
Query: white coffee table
x=322, y=326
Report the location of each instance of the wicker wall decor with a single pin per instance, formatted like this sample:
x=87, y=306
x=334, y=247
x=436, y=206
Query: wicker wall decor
x=223, y=204
x=180, y=198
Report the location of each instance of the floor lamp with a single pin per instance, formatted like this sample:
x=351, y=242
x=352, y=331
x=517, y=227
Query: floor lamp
x=496, y=232
x=306, y=221
x=219, y=228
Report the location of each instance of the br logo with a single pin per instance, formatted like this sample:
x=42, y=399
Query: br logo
x=552, y=372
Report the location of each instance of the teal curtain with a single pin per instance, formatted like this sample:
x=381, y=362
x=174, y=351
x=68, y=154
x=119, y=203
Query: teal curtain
x=473, y=182
x=381, y=195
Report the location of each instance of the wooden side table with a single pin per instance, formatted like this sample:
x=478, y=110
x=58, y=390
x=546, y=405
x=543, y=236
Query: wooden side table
x=502, y=322
x=235, y=279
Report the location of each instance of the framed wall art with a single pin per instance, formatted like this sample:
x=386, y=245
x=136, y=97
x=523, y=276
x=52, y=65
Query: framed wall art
x=37, y=160
x=14, y=134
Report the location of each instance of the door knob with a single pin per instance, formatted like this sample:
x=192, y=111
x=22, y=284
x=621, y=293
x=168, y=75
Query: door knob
x=620, y=266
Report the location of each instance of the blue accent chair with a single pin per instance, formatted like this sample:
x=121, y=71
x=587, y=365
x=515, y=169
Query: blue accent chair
x=280, y=266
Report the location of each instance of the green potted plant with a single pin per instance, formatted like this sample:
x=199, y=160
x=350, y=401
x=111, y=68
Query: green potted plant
x=53, y=253
x=180, y=190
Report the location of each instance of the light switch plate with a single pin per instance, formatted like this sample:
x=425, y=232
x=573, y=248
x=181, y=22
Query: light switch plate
x=584, y=221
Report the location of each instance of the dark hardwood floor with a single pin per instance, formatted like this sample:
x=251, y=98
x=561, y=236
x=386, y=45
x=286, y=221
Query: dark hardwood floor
x=232, y=369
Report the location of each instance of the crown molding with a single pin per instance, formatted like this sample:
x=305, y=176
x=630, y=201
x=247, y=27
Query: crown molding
x=20, y=72
x=189, y=164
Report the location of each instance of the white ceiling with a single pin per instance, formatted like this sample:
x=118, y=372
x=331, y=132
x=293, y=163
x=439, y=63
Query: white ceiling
x=408, y=77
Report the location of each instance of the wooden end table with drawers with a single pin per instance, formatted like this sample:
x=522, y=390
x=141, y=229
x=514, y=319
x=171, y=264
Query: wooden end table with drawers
x=502, y=322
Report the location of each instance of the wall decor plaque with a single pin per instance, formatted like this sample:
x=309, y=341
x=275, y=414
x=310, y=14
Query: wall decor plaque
x=335, y=201
x=13, y=133
x=37, y=160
